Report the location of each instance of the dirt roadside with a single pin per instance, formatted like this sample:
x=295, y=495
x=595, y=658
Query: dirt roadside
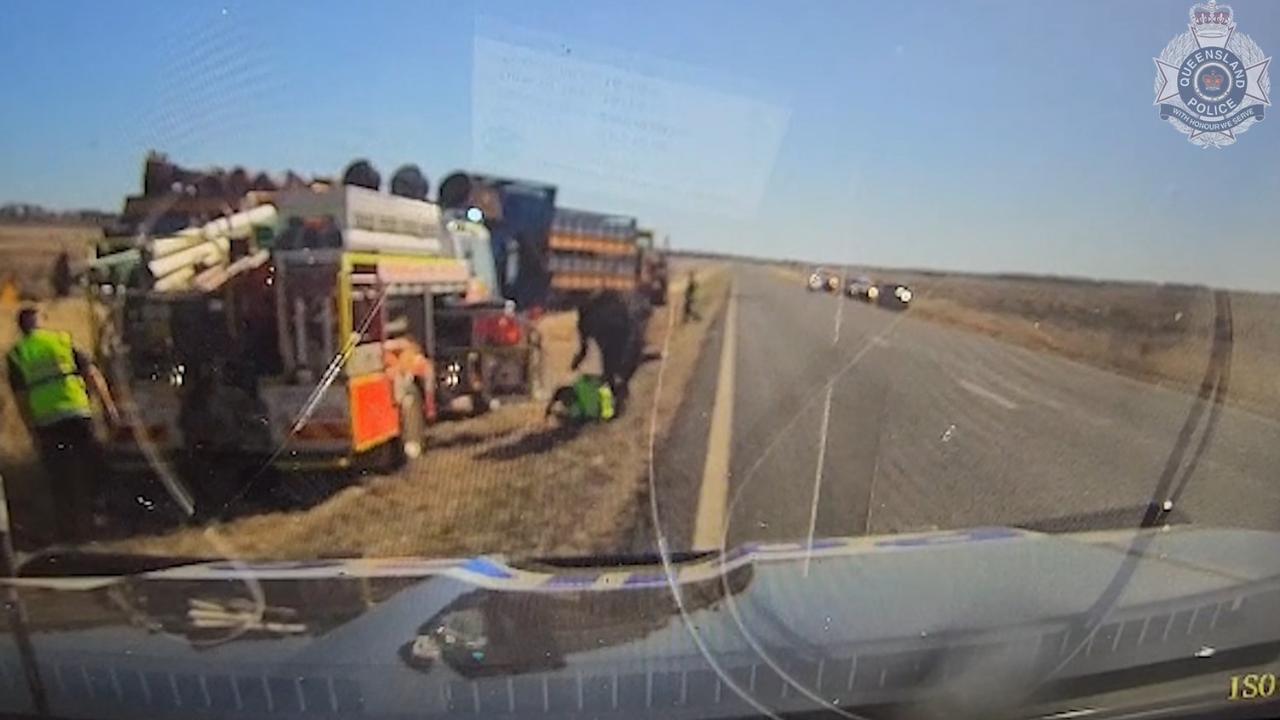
x=506, y=482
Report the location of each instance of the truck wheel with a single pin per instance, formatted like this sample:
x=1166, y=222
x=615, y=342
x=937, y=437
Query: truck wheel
x=481, y=403
x=389, y=457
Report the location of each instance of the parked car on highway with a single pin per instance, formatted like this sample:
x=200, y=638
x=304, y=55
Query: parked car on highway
x=890, y=295
x=824, y=280
x=893, y=295
x=858, y=287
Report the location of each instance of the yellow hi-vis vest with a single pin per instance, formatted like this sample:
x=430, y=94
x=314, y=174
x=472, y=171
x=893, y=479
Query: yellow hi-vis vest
x=55, y=390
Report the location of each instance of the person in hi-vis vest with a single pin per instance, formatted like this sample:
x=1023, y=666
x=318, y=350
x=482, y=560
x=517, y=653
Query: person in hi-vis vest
x=52, y=380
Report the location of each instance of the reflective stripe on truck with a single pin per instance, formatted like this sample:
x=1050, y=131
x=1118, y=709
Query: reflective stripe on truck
x=375, y=416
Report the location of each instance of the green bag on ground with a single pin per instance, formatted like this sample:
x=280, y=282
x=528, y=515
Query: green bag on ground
x=593, y=399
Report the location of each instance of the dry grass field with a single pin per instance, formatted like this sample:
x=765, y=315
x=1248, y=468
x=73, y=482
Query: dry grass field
x=28, y=252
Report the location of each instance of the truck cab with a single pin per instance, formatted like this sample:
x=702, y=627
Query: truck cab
x=654, y=273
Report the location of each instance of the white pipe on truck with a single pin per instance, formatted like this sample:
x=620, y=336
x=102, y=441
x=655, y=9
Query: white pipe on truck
x=175, y=280
x=240, y=224
x=161, y=247
x=207, y=253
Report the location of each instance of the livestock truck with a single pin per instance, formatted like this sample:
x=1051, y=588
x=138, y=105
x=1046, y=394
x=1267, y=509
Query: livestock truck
x=592, y=251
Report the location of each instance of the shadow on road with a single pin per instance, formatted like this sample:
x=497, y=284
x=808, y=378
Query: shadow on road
x=140, y=505
x=1112, y=519
x=533, y=443
x=462, y=439
x=30, y=508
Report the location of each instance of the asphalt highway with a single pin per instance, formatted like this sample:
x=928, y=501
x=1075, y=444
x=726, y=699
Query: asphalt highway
x=848, y=419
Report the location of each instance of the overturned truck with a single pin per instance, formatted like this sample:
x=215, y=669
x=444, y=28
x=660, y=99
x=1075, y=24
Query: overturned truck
x=551, y=256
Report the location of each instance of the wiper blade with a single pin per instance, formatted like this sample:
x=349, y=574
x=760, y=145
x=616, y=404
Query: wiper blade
x=615, y=560
x=87, y=563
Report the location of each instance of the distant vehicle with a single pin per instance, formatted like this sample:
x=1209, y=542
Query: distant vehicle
x=888, y=295
x=824, y=280
x=896, y=296
x=859, y=287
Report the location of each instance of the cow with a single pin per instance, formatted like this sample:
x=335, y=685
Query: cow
x=617, y=322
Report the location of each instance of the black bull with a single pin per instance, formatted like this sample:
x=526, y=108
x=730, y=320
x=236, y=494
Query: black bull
x=617, y=322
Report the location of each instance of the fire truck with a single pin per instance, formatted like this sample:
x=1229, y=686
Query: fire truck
x=323, y=329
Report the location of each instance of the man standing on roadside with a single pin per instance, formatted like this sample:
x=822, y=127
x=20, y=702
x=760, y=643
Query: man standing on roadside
x=690, y=297
x=51, y=380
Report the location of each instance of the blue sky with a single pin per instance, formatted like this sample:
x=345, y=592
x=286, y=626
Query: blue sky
x=956, y=135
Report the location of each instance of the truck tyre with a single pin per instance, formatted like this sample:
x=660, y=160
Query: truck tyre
x=481, y=403
x=660, y=297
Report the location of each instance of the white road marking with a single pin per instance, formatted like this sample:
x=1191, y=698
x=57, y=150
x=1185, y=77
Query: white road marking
x=786, y=427
x=1034, y=397
x=871, y=495
x=1082, y=712
x=713, y=496
x=1081, y=412
x=1046, y=401
x=817, y=475
x=982, y=392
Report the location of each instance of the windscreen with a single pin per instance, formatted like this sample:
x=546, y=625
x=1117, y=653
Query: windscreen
x=813, y=303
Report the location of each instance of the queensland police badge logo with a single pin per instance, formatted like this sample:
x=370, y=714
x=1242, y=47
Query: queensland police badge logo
x=1211, y=81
